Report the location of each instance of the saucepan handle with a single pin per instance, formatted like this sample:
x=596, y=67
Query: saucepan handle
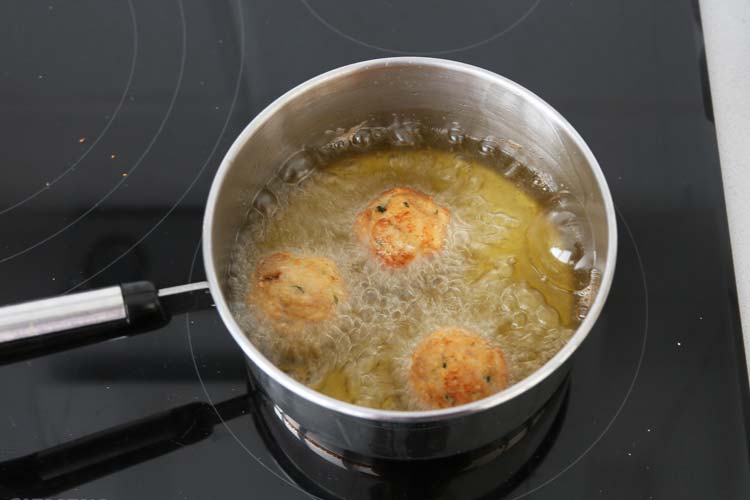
x=40, y=327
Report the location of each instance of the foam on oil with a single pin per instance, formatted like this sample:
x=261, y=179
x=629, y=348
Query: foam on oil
x=506, y=272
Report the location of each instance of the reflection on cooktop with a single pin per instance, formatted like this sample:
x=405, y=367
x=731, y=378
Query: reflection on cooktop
x=494, y=470
x=499, y=467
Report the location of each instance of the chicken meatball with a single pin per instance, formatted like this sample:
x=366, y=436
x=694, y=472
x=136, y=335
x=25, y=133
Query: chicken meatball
x=401, y=225
x=292, y=291
x=452, y=366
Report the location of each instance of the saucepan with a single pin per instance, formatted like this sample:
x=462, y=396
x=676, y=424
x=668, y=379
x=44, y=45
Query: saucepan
x=485, y=105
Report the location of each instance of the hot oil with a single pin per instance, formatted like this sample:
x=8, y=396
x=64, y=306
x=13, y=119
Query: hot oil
x=507, y=272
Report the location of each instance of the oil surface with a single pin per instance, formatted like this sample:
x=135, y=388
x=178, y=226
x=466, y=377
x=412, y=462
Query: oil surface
x=506, y=272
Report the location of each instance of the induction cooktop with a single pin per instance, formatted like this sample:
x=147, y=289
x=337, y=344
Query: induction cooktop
x=115, y=116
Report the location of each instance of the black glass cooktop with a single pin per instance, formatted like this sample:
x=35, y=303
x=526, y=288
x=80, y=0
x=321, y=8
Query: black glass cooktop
x=114, y=115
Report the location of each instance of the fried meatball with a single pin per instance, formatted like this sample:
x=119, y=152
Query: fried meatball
x=292, y=291
x=452, y=366
x=401, y=225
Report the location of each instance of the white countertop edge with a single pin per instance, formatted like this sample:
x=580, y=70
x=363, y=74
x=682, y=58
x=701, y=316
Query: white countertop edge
x=726, y=29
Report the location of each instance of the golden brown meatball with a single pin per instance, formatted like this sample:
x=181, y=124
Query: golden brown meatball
x=293, y=291
x=452, y=366
x=402, y=224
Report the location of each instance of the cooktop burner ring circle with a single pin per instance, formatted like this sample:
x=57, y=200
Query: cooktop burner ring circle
x=198, y=175
x=401, y=52
x=72, y=166
x=129, y=172
x=555, y=476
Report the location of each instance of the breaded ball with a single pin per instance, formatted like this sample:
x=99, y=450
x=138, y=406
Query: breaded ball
x=452, y=366
x=292, y=291
x=401, y=225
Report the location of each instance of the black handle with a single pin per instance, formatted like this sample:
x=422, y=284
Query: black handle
x=144, y=311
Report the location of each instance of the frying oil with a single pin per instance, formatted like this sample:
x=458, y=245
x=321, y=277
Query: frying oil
x=509, y=271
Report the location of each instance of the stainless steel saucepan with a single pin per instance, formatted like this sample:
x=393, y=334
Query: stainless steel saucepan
x=485, y=104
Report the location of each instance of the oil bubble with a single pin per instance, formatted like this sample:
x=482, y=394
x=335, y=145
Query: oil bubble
x=405, y=134
x=455, y=136
x=379, y=133
x=361, y=138
x=558, y=241
x=581, y=312
x=547, y=316
x=519, y=320
x=265, y=202
x=297, y=168
x=488, y=147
